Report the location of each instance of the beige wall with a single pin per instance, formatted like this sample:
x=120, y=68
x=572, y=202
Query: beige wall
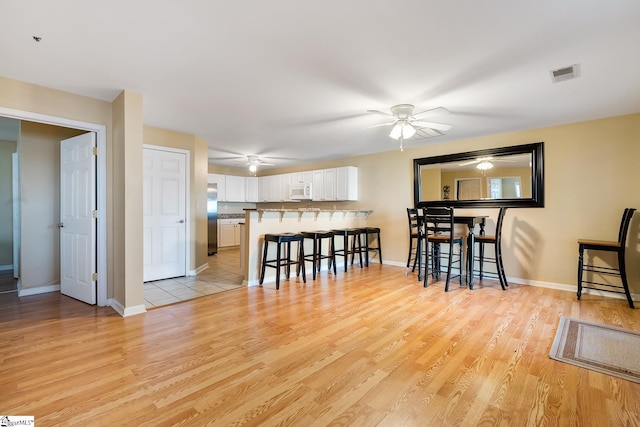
x=39, y=148
x=7, y=148
x=591, y=175
x=127, y=176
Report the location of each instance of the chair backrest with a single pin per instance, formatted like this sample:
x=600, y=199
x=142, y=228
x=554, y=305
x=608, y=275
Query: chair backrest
x=499, y=222
x=624, y=226
x=414, y=221
x=438, y=221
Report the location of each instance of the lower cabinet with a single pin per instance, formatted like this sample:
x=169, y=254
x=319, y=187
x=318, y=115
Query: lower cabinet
x=229, y=232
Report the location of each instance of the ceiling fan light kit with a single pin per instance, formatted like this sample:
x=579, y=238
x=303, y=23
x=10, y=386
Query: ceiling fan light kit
x=406, y=125
x=484, y=165
x=402, y=128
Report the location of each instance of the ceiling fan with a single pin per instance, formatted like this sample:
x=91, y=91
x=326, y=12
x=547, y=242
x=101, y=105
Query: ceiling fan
x=252, y=161
x=484, y=163
x=408, y=125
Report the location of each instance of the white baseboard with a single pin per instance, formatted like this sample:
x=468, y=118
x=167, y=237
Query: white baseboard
x=38, y=290
x=571, y=288
x=199, y=270
x=126, y=311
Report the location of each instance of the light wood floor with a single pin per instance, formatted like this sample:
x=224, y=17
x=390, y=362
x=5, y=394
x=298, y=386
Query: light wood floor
x=372, y=347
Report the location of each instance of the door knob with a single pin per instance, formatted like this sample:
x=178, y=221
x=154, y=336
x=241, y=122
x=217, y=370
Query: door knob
x=181, y=221
x=60, y=225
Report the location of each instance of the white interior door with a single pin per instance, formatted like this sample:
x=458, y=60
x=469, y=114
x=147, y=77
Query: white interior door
x=165, y=224
x=77, y=222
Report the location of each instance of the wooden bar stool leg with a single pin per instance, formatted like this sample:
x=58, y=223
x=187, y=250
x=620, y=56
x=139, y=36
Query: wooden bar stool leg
x=623, y=276
x=278, y=266
x=264, y=261
x=580, y=266
x=301, y=260
x=332, y=252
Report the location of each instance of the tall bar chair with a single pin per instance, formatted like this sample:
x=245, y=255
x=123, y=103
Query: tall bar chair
x=618, y=247
x=496, y=240
x=438, y=230
x=416, y=237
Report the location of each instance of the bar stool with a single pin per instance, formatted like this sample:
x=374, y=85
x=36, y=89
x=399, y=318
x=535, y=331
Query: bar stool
x=351, y=237
x=317, y=256
x=367, y=244
x=495, y=240
x=283, y=259
x=601, y=271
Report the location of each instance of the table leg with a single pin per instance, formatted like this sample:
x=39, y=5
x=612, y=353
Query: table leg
x=470, y=248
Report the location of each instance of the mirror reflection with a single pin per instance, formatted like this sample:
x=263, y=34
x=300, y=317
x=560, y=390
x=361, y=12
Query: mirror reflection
x=503, y=176
x=489, y=177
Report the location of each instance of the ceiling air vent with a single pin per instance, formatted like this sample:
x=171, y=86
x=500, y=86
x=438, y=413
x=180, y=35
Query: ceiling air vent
x=565, y=73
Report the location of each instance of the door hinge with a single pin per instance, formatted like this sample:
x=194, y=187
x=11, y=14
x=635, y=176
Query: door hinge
x=95, y=151
x=94, y=214
x=94, y=277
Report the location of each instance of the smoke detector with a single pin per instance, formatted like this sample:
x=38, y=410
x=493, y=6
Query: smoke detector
x=565, y=73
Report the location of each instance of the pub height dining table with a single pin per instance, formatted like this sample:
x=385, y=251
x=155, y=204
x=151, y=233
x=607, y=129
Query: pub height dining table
x=470, y=221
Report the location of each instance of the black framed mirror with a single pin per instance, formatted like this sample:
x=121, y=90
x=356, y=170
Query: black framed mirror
x=505, y=176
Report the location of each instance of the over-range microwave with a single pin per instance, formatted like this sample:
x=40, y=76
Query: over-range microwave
x=300, y=191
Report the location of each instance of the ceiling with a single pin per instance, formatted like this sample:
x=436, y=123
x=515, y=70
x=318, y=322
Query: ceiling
x=293, y=80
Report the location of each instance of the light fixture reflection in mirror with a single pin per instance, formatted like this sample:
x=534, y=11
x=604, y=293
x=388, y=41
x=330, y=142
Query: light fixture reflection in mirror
x=505, y=176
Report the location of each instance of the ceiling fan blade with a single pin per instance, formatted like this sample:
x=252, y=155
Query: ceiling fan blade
x=432, y=112
x=428, y=132
x=470, y=162
x=432, y=125
x=380, y=112
x=228, y=158
x=378, y=125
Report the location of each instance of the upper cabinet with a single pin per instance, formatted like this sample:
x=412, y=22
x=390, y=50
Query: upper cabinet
x=338, y=184
x=347, y=183
x=236, y=191
x=251, y=189
x=221, y=181
x=334, y=184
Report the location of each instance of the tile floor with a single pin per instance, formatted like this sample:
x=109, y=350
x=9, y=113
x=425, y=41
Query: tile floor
x=223, y=274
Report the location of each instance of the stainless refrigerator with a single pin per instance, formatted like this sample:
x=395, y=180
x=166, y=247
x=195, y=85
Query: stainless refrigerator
x=212, y=218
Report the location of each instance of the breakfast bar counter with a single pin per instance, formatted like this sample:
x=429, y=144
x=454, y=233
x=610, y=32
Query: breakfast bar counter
x=259, y=222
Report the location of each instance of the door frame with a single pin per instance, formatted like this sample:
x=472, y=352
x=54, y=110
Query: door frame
x=187, y=195
x=101, y=189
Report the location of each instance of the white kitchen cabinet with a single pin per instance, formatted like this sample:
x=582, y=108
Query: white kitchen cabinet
x=330, y=184
x=324, y=184
x=266, y=188
x=305, y=177
x=235, y=188
x=229, y=232
x=347, y=183
x=220, y=180
x=318, y=185
x=280, y=189
x=251, y=189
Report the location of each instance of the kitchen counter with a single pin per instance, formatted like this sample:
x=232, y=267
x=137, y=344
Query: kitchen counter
x=272, y=221
x=313, y=211
x=231, y=215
